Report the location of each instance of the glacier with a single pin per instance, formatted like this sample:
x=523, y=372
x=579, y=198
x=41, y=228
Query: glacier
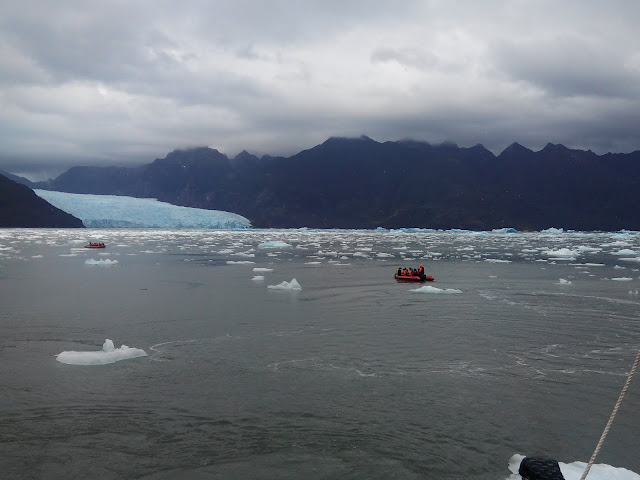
x=111, y=211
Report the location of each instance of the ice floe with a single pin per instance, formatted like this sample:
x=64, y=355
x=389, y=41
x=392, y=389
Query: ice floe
x=274, y=244
x=108, y=354
x=106, y=262
x=561, y=254
x=292, y=285
x=625, y=251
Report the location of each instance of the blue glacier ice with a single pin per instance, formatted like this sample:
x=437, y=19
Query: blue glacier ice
x=110, y=211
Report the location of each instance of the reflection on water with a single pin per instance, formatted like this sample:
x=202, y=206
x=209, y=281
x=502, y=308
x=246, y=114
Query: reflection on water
x=353, y=376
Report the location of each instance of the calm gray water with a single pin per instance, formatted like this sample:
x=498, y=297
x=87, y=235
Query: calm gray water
x=356, y=376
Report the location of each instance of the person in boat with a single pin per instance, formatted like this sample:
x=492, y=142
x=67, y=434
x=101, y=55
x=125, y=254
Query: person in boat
x=399, y=272
x=421, y=270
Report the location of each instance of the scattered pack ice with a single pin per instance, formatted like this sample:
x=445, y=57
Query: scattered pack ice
x=108, y=354
x=111, y=211
x=292, y=285
x=573, y=471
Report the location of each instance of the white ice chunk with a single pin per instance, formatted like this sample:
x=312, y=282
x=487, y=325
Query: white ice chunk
x=496, y=260
x=622, y=279
x=274, y=244
x=261, y=269
x=239, y=262
x=108, y=354
x=561, y=254
x=292, y=285
x=564, y=282
x=105, y=262
x=625, y=251
x=258, y=278
x=430, y=289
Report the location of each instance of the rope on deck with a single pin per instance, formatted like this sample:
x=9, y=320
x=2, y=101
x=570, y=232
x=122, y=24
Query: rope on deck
x=613, y=415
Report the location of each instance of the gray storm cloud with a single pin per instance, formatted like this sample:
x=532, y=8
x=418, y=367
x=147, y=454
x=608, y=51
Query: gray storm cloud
x=118, y=82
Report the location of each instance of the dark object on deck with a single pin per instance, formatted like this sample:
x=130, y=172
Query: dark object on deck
x=534, y=468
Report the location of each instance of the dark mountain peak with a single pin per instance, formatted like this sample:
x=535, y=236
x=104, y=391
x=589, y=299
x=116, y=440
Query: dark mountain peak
x=479, y=149
x=550, y=147
x=338, y=141
x=200, y=152
x=516, y=153
x=192, y=156
x=245, y=156
x=516, y=148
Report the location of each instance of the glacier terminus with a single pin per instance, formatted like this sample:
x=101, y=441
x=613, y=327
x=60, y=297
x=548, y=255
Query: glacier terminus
x=112, y=211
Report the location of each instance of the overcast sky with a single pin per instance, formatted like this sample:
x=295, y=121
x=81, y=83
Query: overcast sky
x=109, y=82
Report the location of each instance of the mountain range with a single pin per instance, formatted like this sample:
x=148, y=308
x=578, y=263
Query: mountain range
x=362, y=183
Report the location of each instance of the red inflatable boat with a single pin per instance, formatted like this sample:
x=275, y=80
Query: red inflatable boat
x=95, y=245
x=414, y=278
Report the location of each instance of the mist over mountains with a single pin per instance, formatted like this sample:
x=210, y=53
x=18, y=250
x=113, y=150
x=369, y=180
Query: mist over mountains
x=361, y=183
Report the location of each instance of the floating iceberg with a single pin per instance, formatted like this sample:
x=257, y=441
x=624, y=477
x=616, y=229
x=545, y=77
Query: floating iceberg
x=111, y=211
x=105, y=262
x=292, y=285
x=561, y=254
x=108, y=354
x=274, y=244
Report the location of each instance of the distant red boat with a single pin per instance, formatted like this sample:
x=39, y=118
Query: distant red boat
x=414, y=278
x=95, y=245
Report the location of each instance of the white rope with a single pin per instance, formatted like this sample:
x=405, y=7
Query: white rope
x=613, y=415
